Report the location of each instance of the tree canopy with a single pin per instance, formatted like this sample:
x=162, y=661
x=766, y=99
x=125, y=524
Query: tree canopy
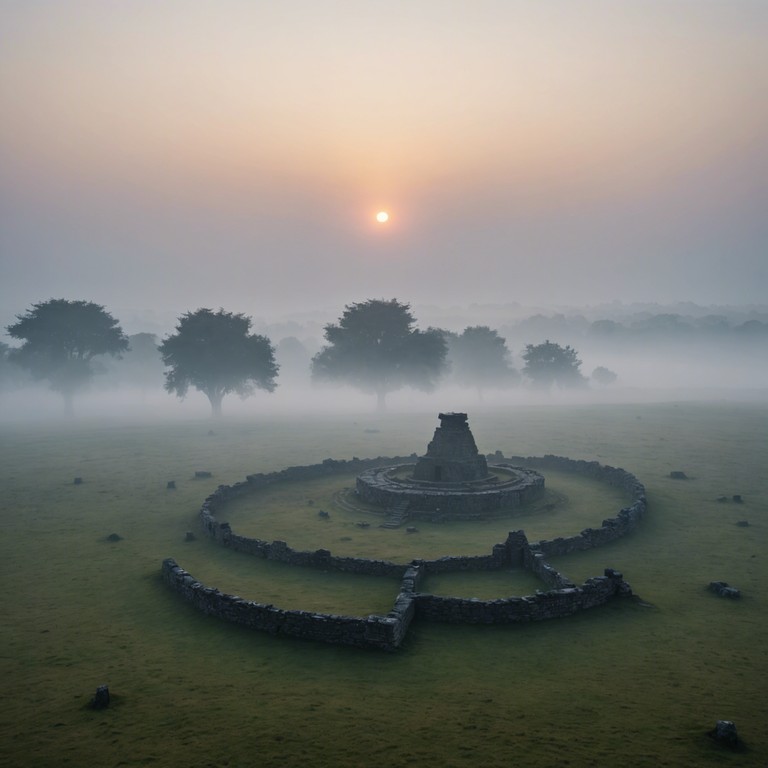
x=479, y=358
x=61, y=338
x=549, y=363
x=604, y=376
x=214, y=353
x=376, y=348
x=141, y=366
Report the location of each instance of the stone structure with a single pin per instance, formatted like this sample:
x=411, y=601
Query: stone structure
x=560, y=598
x=452, y=455
x=451, y=481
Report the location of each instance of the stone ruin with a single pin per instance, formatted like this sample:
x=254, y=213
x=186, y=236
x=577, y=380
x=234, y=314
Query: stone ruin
x=451, y=481
x=452, y=456
x=454, y=453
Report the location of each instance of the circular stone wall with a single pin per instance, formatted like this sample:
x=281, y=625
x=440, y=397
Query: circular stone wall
x=383, y=487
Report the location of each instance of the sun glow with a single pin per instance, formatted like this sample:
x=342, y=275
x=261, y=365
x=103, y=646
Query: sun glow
x=382, y=217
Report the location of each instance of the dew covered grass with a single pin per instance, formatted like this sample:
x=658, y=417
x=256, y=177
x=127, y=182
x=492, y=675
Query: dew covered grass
x=626, y=684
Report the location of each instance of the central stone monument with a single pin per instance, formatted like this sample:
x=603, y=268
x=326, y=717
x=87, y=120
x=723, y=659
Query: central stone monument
x=451, y=481
x=452, y=455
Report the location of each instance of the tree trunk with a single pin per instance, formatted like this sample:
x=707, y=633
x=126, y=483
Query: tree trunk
x=215, y=399
x=381, y=401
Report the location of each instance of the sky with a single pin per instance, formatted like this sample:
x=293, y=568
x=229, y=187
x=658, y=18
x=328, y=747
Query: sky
x=160, y=157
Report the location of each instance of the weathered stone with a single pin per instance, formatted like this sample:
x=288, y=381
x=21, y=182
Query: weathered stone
x=452, y=456
x=189, y=536
x=725, y=733
x=101, y=699
x=722, y=589
x=737, y=498
x=77, y=481
x=678, y=475
x=743, y=523
x=203, y=473
x=171, y=485
x=114, y=537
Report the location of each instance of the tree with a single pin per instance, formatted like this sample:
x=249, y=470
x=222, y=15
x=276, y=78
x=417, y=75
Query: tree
x=480, y=358
x=141, y=366
x=11, y=375
x=214, y=353
x=61, y=338
x=604, y=376
x=295, y=361
x=375, y=348
x=549, y=363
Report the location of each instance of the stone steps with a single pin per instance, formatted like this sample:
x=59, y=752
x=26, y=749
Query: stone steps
x=396, y=515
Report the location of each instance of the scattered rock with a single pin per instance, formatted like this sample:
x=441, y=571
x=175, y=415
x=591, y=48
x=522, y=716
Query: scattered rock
x=322, y=513
x=678, y=475
x=189, y=536
x=743, y=523
x=114, y=537
x=722, y=589
x=203, y=473
x=725, y=733
x=722, y=499
x=171, y=484
x=363, y=525
x=310, y=502
x=101, y=699
x=737, y=498
x=77, y=481
x=411, y=529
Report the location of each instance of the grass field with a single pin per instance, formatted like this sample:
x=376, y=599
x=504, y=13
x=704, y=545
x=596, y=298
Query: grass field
x=622, y=685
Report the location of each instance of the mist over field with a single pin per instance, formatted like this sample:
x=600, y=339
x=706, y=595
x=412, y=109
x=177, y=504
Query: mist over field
x=679, y=352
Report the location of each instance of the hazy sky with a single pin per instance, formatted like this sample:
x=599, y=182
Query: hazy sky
x=176, y=154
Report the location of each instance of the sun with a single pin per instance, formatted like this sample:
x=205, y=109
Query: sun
x=382, y=217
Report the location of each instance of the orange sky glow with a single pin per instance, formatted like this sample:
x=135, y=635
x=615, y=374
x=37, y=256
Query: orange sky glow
x=472, y=117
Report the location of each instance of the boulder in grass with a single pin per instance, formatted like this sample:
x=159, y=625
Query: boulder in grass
x=101, y=699
x=725, y=733
x=677, y=474
x=723, y=589
x=203, y=473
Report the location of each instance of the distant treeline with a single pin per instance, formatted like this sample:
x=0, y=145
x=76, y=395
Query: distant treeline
x=375, y=346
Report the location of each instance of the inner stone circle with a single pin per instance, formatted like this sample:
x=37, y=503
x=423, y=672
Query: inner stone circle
x=451, y=481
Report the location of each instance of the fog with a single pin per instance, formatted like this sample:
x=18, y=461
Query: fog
x=549, y=160
x=656, y=356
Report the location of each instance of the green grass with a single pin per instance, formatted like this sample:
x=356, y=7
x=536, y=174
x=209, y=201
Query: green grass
x=621, y=685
